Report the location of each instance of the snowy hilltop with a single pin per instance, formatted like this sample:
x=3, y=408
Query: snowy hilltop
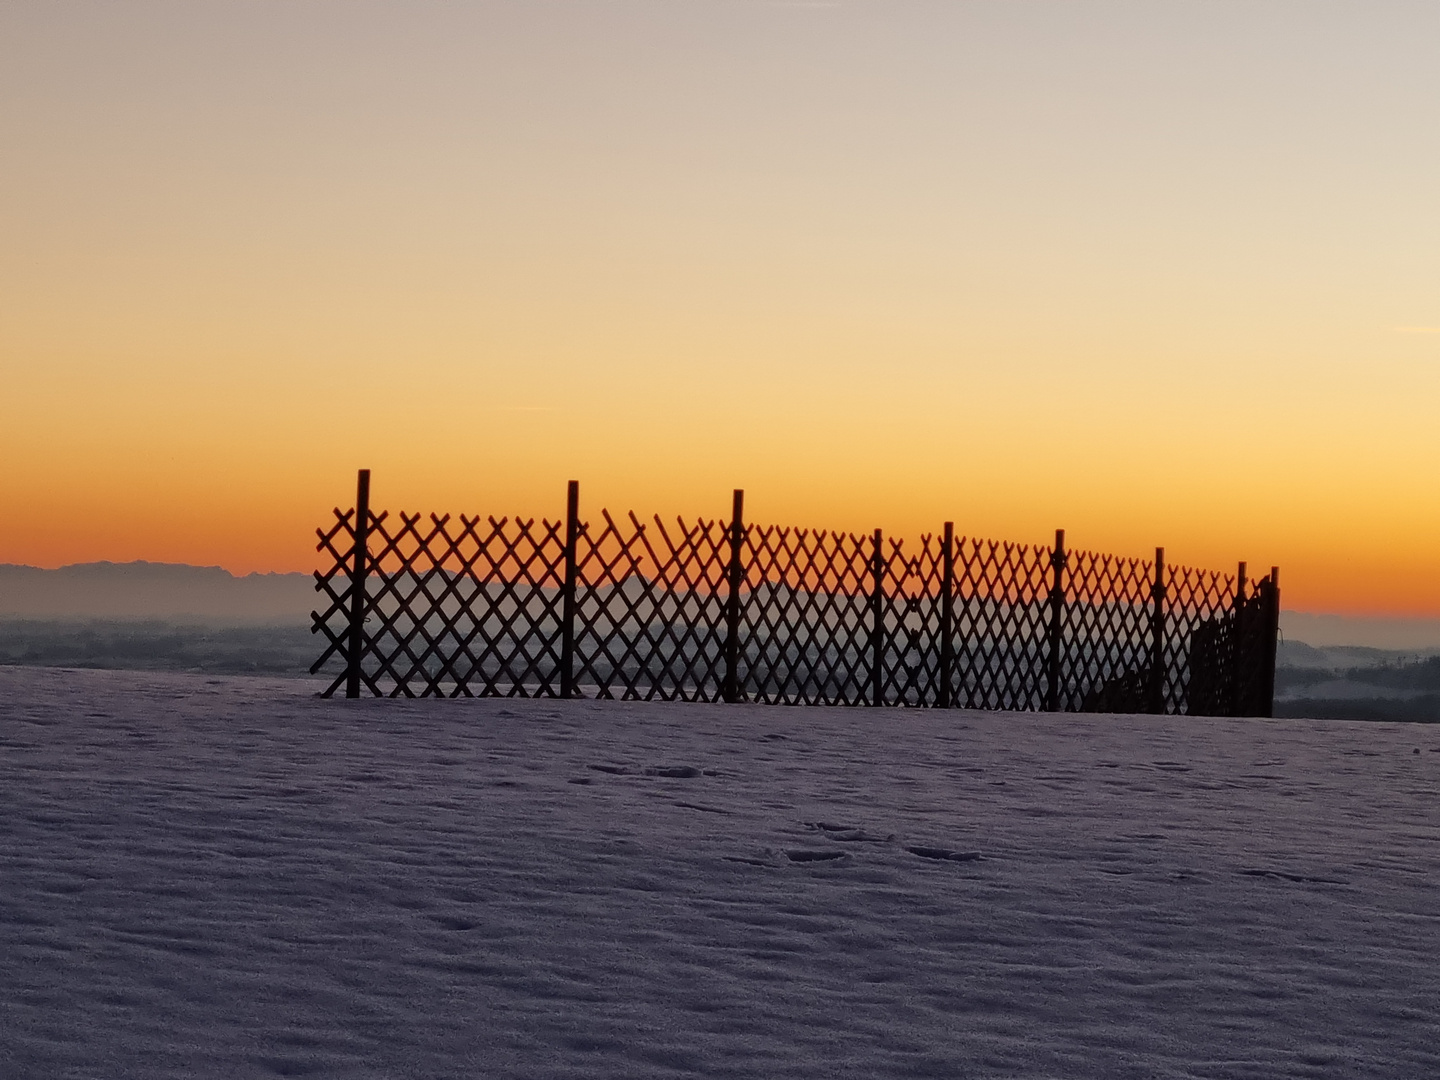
x=230, y=877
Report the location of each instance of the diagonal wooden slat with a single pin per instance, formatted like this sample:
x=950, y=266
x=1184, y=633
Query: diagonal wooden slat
x=461, y=606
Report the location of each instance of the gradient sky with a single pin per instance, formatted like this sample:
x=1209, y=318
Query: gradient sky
x=1159, y=273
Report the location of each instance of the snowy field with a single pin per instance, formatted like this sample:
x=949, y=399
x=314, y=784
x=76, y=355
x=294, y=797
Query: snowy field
x=231, y=878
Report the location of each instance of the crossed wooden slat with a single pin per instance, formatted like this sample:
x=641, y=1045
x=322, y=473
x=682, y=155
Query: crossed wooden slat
x=1002, y=623
x=1109, y=624
x=807, y=631
x=1197, y=598
x=465, y=606
x=648, y=614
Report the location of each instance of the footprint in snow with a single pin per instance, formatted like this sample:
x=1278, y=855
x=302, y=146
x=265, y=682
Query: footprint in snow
x=451, y=922
x=1307, y=879
x=704, y=809
x=807, y=855
x=944, y=854
x=848, y=833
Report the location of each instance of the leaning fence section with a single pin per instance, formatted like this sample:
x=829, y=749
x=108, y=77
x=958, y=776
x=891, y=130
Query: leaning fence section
x=715, y=610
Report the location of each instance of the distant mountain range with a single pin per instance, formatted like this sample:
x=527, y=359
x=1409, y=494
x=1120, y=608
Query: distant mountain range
x=146, y=590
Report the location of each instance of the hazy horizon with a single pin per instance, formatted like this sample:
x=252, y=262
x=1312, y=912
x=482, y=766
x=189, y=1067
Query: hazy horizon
x=146, y=589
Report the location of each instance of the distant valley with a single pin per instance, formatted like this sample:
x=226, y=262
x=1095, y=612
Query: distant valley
x=176, y=617
x=156, y=616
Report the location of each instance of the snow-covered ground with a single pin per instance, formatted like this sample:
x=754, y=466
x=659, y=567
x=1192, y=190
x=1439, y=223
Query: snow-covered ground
x=228, y=877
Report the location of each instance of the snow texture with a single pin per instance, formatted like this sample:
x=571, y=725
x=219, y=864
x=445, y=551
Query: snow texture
x=229, y=877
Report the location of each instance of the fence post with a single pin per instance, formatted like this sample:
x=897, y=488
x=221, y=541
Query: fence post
x=1157, y=636
x=360, y=566
x=1272, y=639
x=1057, y=621
x=1240, y=663
x=567, y=616
x=947, y=616
x=877, y=612
x=735, y=575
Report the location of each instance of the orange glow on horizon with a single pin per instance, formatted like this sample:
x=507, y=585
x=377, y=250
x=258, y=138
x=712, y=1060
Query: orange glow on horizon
x=265, y=529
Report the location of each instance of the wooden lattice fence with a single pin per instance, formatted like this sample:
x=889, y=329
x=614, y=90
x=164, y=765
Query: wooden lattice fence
x=712, y=610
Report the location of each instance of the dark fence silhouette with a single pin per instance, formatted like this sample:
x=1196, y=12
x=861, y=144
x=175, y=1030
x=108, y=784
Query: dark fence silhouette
x=734, y=611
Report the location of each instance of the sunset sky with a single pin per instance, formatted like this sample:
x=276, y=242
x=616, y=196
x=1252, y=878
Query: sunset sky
x=1158, y=273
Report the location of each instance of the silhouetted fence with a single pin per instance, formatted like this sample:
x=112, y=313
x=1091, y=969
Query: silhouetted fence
x=733, y=611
